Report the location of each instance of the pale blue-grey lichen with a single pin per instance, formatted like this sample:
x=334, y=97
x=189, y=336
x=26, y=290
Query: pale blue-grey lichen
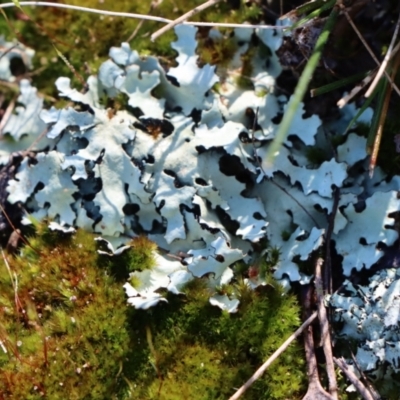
x=182, y=166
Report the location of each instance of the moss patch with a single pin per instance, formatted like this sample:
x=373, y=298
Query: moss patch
x=188, y=349
x=63, y=321
x=85, y=38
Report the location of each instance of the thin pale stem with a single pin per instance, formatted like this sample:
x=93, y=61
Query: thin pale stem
x=183, y=18
x=366, y=395
x=345, y=99
x=153, y=6
x=382, y=118
x=385, y=61
x=7, y=114
x=358, y=33
x=137, y=16
x=274, y=356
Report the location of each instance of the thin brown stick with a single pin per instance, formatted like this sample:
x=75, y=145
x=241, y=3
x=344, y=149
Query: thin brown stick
x=385, y=61
x=312, y=367
x=382, y=119
x=358, y=33
x=274, y=356
x=183, y=18
x=341, y=363
x=315, y=389
x=154, y=4
x=345, y=99
x=365, y=380
x=324, y=326
x=7, y=114
x=37, y=140
x=6, y=51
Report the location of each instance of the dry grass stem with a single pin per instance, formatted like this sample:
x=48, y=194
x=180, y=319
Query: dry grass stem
x=382, y=119
x=7, y=115
x=137, y=16
x=345, y=99
x=274, y=356
x=385, y=61
x=154, y=4
x=346, y=14
x=183, y=18
x=364, y=392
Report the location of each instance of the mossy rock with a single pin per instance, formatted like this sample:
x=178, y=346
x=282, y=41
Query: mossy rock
x=64, y=325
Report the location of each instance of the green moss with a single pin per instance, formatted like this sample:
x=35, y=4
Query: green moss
x=285, y=235
x=337, y=140
x=216, y=51
x=198, y=352
x=85, y=38
x=244, y=79
x=68, y=331
x=63, y=322
x=316, y=155
x=141, y=256
x=260, y=267
x=138, y=258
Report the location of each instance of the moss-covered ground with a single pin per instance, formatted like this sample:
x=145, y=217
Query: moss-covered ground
x=64, y=323
x=84, y=39
x=188, y=349
x=65, y=328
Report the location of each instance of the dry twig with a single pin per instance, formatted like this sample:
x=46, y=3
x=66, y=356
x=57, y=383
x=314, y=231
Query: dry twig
x=345, y=99
x=274, y=356
x=138, y=16
x=315, y=390
x=385, y=61
x=183, y=18
x=153, y=5
x=382, y=119
x=341, y=363
x=324, y=326
x=358, y=33
x=364, y=379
